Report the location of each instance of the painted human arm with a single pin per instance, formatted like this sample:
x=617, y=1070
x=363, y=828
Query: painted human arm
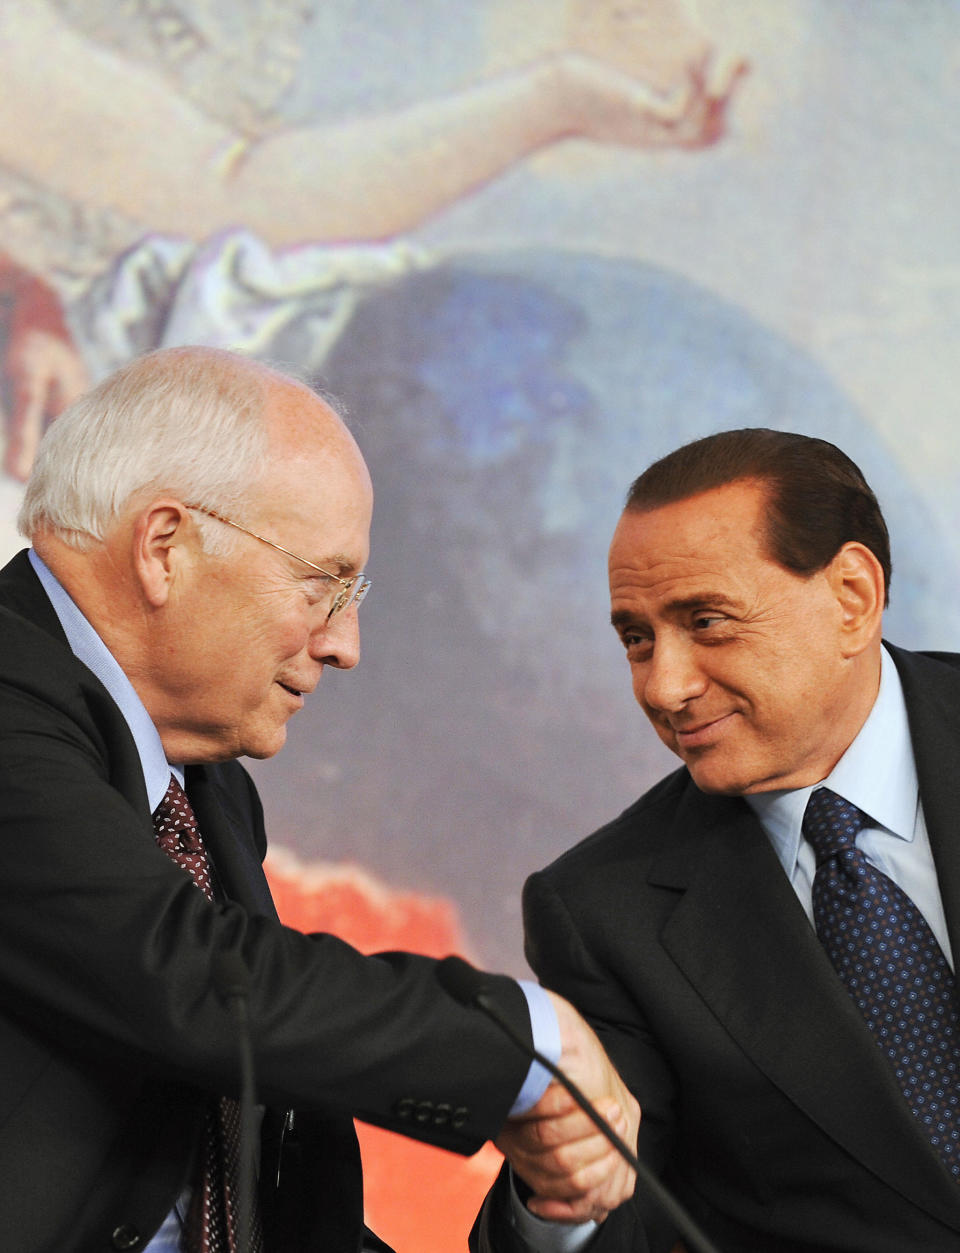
x=150, y=154
x=42, y=372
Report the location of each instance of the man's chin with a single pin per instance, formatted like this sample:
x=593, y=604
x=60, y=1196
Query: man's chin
x=715, y=779
x=718, y=789
x=717, y=782
x=261, y=747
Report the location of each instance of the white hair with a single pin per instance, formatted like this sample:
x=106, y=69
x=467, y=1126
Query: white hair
x=183, y=421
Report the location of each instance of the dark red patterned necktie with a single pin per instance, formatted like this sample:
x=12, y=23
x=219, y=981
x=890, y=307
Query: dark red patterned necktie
x=886, y=954
x=211, y=1223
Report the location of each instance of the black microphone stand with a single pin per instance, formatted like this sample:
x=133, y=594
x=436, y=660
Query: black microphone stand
x=465, y=984
x=232, y=982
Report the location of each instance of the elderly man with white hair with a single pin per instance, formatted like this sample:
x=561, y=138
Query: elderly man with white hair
x=199, y=528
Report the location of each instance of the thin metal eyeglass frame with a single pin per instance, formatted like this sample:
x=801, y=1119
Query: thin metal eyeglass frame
x=341, y=600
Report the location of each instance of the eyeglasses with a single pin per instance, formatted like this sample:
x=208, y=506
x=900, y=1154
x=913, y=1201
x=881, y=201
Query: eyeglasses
x=352, y=590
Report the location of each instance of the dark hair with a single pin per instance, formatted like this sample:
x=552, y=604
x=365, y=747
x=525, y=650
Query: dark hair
x=818, y=499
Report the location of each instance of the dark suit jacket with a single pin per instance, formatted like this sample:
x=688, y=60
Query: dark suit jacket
x=766, y=1102
x=111, y=1036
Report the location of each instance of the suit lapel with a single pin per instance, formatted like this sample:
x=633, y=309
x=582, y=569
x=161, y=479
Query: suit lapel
x=932, y=691
x=227, y=831
x=740, y=936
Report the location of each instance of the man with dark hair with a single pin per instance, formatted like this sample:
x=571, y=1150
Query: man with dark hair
x=764, y=941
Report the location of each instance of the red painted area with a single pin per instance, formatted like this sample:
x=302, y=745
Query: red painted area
x=419, y=1199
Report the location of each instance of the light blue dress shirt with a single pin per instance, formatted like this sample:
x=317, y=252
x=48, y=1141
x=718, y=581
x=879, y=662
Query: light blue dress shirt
x=879, y=775
x=89, y=648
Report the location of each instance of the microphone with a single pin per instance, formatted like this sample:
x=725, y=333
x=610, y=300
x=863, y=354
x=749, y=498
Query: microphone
x=231, y=979
x=470, y=988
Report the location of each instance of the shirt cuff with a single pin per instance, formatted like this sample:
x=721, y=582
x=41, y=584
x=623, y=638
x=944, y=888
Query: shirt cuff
x=546, y=1040
x=547, y=1237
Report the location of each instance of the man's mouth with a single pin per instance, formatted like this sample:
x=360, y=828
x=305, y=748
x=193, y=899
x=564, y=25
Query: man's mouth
x=703, y=733
x=294, y=691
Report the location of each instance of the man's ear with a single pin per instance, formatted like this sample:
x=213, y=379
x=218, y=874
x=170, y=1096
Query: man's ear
x=165, y=541
x=856, y=577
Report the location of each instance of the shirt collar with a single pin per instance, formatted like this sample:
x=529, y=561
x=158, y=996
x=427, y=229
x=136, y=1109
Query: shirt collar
x=89, y=648
x=877, y=773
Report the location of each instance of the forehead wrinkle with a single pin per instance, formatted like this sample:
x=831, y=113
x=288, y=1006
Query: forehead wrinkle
x=660, y=579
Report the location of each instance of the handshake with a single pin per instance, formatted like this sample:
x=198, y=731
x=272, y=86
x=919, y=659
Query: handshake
x=574, y=1172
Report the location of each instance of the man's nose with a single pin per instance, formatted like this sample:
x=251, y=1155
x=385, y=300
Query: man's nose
x=672, y=677
x=336, y=642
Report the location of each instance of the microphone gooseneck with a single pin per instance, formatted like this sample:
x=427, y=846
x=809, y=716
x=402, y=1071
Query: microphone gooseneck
x=471, y=988
x=231, y=980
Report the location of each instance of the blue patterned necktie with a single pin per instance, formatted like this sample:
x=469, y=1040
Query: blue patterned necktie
x=893, y=967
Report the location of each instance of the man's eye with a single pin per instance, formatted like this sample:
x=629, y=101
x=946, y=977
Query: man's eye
x=704, y=621
x=317, y=586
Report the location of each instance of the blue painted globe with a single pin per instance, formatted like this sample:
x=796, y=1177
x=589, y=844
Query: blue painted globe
x=505, y=404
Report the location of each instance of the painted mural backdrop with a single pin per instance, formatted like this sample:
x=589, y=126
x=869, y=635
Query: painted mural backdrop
x=530, y=245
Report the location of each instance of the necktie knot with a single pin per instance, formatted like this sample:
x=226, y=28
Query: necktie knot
x=831, y=824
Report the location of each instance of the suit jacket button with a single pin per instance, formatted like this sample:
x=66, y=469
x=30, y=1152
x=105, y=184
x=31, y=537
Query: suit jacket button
x=442, y=1114
x=125, y=1236
x=424, y=1112
x=460, y=1116
x=404, y=1108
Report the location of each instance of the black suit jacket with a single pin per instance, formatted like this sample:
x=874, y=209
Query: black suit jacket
x=766, y=1102
x=111, y=1035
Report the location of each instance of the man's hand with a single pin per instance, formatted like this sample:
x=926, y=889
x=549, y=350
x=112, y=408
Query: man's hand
x=575, y=1173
